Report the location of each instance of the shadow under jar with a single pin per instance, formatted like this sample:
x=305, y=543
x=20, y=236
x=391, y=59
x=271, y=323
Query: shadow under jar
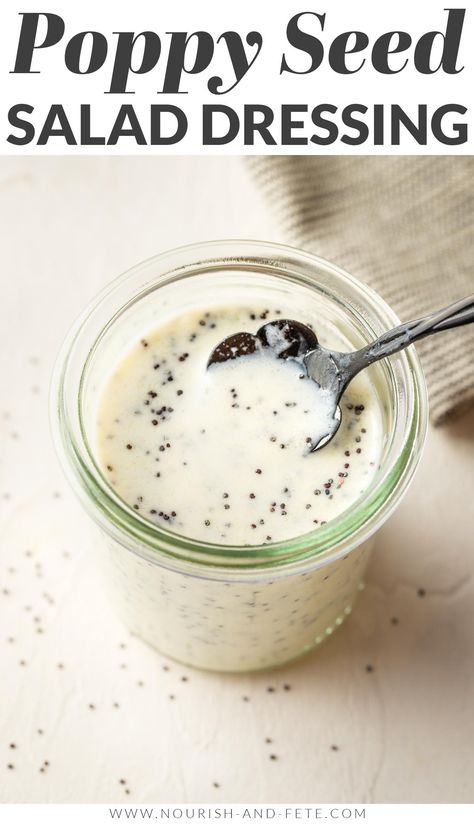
x=216, y=606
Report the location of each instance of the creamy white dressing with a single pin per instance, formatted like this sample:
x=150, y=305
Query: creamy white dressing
x=224, y=454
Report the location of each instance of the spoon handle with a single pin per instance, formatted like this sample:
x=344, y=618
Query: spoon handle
x=395, y=340
x=464, y=316
x=455, y=315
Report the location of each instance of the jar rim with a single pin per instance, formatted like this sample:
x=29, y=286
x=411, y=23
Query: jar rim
x=159, y=545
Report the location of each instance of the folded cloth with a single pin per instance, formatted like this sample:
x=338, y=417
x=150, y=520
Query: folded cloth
x=405, y=226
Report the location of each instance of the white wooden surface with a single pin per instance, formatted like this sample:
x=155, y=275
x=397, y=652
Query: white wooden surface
x=84, y=706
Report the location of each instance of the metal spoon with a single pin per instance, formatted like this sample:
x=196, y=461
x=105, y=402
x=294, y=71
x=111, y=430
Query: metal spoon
x=333, y=371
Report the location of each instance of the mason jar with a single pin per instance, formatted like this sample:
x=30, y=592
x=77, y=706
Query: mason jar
x=214, y=606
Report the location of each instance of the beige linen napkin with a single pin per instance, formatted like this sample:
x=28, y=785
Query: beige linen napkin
x=405, y=226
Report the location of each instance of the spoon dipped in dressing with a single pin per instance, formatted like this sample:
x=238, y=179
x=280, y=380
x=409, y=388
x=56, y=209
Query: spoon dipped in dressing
x=333, y=371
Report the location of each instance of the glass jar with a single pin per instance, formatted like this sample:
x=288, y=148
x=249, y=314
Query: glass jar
x=213, y=606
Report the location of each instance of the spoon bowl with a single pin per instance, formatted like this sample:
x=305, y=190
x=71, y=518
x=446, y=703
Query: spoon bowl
x=332, y=371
